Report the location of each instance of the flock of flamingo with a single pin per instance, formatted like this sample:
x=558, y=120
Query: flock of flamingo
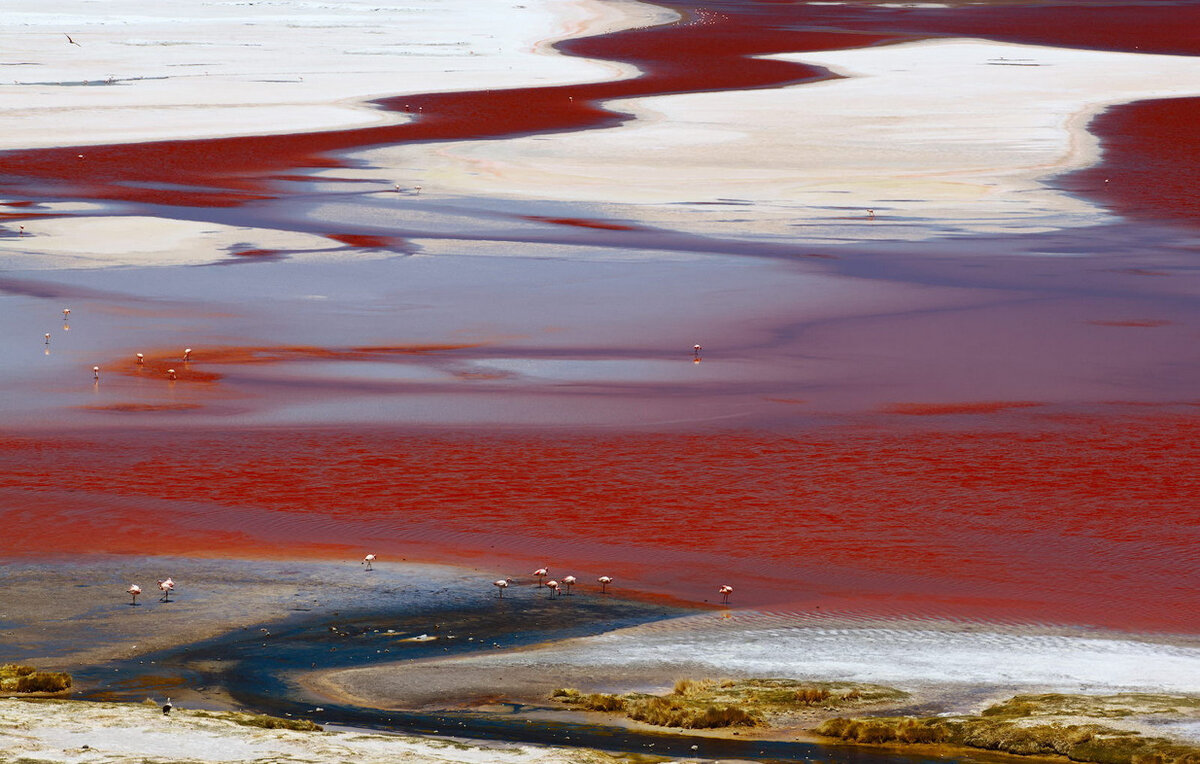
x=140, y=358
x=555, y=587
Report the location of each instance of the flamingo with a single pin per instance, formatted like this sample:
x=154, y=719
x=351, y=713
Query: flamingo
x=166, y=586
x=540, y=573
x=187, y=354
x=604, y=582
x=554, y=587
x=725, y=591
x=141, y=359
x=47, y=338
x=871, y=214
x=501, y=585
x=95, y=372
x=171, y=374
x=66, y=313
x=134, y=590
x=367, y=561
x=568, y=581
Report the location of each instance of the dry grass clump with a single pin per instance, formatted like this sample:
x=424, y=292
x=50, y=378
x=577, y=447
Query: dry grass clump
x=262, y=721
x=1079, y=742
x=17, y=678
x=1095, y=706
x=709, y=703
x=674, y=711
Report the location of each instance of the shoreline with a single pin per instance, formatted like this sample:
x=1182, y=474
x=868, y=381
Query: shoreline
x=450, y=692
x=322, y=89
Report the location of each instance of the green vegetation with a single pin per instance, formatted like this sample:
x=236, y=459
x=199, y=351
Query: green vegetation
x=16, y=678
x=1023, y=725
x=709, y=703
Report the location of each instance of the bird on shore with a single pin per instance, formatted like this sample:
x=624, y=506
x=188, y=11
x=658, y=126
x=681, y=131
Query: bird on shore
x=604, y=582
x=541, y=573
x=568, y=582
x=166, y=586
x=167, y=707
x=725, y=591
x=368, y=560
x=134, y=590
x=501, y=585
x=71, y=40
x=554, y=587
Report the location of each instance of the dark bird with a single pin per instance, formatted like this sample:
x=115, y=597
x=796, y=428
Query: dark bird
x=70, y=40
x=167, y=707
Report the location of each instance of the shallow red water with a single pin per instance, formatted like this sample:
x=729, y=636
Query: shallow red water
x=1082, y=521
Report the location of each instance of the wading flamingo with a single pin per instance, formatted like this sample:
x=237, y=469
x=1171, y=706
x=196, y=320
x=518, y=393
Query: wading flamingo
x=134, y=590
x=187, y=354
x=541, y=573
x=604, y=582
x=725, y=591
x=367, y=561
x=141, y=359
x=66, y=313
x=166, y=586
x=47, y=338
x=568, y=581
x=95, y=372
x=171, y=374
x=554, y=587
x=501, y=585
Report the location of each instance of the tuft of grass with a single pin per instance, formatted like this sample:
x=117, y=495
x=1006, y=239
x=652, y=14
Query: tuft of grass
x=1094, y=706
x=709, y=703
x=262, y=721
x=18, y=678
x=1079, y=742
x=811, y=696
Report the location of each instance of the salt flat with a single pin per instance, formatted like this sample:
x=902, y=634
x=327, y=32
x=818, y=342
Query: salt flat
x=193, y=68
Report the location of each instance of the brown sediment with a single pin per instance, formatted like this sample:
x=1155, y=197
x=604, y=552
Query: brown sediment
x=139, y=408
x=162, y=362
x=258, y=254
x=1148, y=323
x=946, y=409
x=583, y=223
x=364, y=241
